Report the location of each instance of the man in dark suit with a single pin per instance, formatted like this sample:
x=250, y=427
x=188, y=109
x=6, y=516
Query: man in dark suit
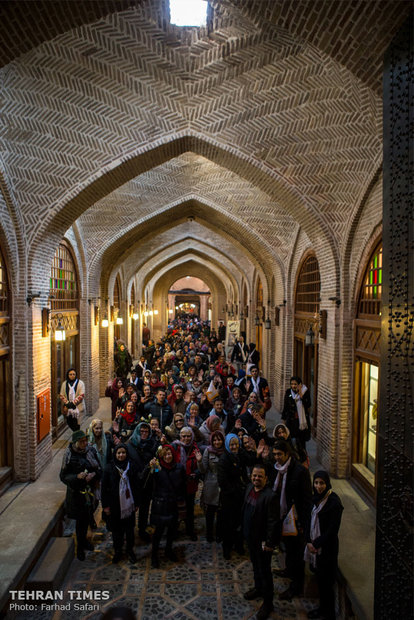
x=255, y=383
x=296, y=409
x=292, y=486
x=261, y=528
x=240, y=352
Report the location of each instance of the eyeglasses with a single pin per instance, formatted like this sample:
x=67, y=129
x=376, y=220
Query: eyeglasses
x=186, y=436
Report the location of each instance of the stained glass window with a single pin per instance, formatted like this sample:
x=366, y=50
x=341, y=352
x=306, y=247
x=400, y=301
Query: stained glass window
x=63, y=280
x=371, y=290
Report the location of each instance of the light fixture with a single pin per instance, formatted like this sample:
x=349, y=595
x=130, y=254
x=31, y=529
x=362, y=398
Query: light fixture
x=267, y=322
x=119, y=320
x=155, y=311
x=145, y=313
x=310, y=337
x=257, y=320
x=151, y=312
x=60, y=333
x=170, y=311
x=176, y=307
x=135, y=316
x=105, y=321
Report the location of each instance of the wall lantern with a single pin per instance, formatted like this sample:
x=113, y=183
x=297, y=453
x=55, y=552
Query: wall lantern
x=257, y=320
x=105, y=322
x=155, y=311
x=310, y=337
x=60, y=333
x=119, y=320
x=135, y=316
x=267, y=323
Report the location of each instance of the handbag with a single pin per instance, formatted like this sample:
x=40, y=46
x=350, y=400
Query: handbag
x=289, y=527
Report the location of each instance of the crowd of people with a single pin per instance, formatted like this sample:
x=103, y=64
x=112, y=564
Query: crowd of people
x=188, y=418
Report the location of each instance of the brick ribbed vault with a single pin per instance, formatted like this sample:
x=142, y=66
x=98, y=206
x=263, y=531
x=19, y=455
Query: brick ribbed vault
x=173, y=237
x=104, y=103
x=271, y=115
x=223, y=267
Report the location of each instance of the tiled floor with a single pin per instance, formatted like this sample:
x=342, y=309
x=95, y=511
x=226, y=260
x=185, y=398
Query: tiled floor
x=201, y=585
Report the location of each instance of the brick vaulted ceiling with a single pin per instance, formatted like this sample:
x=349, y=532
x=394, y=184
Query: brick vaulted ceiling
x=289, y=89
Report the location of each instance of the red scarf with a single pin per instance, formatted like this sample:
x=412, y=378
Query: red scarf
x=129, y=417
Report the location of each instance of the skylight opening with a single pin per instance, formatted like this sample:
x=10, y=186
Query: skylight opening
x=188, y=13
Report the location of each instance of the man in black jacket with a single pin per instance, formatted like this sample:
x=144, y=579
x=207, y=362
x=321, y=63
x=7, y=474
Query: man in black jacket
x=292, y=486
x=161, y=410
x=261, y=528
x=296, y=409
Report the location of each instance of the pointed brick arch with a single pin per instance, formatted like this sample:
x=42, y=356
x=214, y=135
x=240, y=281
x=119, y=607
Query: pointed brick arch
x=116, y=174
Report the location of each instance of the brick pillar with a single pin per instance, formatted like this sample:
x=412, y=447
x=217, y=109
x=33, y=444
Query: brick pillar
x=394, y=557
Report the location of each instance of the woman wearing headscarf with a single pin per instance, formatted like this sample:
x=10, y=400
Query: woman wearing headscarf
x=72, y=395
x=123, y=360
x=81, y=473
x=213, y=423
x=172, y=432
x=120, y=500
x=168, y=492
x=232, y=479
x=97, y=439
x=114, y=390
x=188, y=454
x=281, y=431
x=127, y=419
x=142, y=447
x=323, y=544
x=211, y=492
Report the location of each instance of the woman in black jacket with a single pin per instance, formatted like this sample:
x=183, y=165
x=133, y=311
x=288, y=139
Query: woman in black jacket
x=81, y=472
x=120, y=500
x=168, y=491
x=322, y=543
x=232, y=479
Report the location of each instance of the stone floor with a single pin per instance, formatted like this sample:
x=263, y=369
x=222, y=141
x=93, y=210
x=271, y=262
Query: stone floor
x=201, y=585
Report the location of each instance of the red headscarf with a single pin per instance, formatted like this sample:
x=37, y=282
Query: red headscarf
x=161, y=460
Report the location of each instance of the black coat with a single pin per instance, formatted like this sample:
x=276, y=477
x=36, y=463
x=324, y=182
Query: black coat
x=163, y=413
x=298, y=492
x=78, y=503
x=237, y=353
x=168, y=489
x=329, y=523
x=291, y=418
x=110, y=489
x=232, y=477
x=265, y=520
x=141, y=454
